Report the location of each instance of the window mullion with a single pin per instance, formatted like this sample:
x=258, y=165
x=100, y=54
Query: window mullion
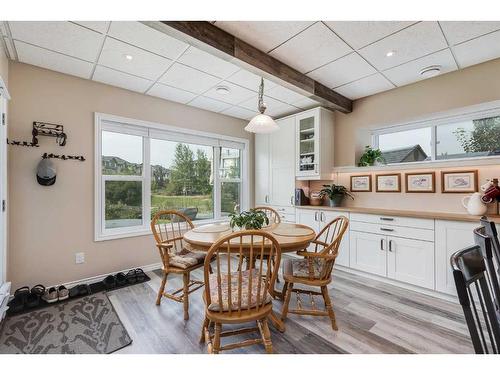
x=434, y=143
x=146, y=183
x=217, y=183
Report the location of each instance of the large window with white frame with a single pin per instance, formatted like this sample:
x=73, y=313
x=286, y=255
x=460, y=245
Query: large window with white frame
x=458, y=136
x=142, y=168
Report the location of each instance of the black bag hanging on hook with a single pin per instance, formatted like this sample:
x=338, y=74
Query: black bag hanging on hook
x=46, y=172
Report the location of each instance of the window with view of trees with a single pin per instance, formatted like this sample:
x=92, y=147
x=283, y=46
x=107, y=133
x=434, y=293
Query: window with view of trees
x=452, y=140
x=142, y=173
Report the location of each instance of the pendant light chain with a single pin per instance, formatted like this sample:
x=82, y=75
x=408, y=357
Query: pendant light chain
x=262, y=105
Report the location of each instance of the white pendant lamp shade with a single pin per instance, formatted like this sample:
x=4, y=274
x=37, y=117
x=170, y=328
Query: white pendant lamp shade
x=261, y=123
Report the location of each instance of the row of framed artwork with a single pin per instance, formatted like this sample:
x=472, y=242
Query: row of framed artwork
x=420, y=182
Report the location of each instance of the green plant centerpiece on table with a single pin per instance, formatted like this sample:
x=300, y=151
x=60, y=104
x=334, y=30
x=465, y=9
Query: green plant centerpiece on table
x=371, y=157
x=253, y=219
x=335, y=194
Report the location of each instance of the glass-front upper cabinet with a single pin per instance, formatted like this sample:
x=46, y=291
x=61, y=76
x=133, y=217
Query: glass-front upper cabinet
x=314, y=129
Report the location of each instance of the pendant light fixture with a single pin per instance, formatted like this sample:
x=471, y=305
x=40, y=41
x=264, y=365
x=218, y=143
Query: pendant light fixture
x=261, y=123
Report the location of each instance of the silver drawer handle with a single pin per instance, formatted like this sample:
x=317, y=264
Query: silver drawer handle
x=387, y=218
x=382, y=244
x=387, y=229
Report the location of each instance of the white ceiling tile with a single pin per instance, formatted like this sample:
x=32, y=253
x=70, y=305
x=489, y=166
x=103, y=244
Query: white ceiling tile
x=461, y=31
x=143, y=64
x=284, y=94
x=305, y=103
x=64, y=37
x=236, y=93
x=410, y=72
x=208, y=63
x=239, y=112
x=209, y=104
x=311, y=48
x=99, y=26
x=250, y=80
x=409, y=44
x=264, y=35
x=52, y=60
x=343, y=70
x=478, y=50
x=119, y=79
x=171, y=93
x=361, y=33
x=283, y=110
x=365, y=87
x=145, y=37
x=189, y=79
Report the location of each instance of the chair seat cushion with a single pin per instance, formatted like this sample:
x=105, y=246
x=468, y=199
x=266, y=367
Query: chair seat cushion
x=300, y=268
x=186, y=258
x=245, y=281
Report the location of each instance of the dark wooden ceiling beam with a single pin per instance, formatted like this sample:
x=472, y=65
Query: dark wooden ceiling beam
x=250, y=57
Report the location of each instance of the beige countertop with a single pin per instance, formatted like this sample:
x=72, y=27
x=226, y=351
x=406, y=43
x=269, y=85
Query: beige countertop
x=408, y=213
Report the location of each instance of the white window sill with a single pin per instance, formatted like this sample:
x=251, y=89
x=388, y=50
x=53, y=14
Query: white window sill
x=142, y=231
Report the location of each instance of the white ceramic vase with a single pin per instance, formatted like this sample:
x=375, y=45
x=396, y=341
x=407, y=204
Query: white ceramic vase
x=474, y=204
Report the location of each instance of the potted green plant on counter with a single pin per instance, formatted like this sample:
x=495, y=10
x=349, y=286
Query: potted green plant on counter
x=335, y=194
x=252, y=219
x=371, y=157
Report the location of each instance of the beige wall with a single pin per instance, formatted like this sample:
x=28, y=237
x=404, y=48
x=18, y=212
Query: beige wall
x=47, y=225
x=474, y=85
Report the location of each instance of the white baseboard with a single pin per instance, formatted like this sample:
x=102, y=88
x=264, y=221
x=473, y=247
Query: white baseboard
x=428, y=292
x=94, y=279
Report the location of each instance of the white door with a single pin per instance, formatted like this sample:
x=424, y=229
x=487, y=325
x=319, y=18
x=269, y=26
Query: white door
x=368, y=252
x=307, y=138
x=3, y=188
x=262, y=165
x=451, y=236
x=282, y=162
x=343, y=256
x=411, y=261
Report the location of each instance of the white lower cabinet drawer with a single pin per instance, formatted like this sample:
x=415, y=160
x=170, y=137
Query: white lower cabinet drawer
x=395, y=231
x=394, y=220
x=287, y=218
x=284, y=209
x=410, y=261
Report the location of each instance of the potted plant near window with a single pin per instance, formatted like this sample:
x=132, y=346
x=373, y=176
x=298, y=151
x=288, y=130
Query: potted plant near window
x=335, y=194
x=371, y=157
x=252, y=219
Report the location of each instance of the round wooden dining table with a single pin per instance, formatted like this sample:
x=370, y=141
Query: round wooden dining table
x=291, y=237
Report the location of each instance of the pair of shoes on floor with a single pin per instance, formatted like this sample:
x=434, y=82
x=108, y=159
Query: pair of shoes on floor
x=135, y=276
x=79, y=290
x=54, y=294
x=25, y=297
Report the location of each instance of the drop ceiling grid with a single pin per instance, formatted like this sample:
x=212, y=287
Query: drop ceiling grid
x=153, y=82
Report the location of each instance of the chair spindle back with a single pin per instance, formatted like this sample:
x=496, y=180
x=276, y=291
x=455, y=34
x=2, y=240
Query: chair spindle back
x=273, y=215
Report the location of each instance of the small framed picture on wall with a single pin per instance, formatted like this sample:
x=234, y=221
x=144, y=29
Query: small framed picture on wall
x=421, y=182
x=361, y=183
x=459, y=181
x=388, y=183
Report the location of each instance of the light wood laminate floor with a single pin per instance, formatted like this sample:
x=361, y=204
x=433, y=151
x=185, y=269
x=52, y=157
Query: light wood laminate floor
x=373, y=317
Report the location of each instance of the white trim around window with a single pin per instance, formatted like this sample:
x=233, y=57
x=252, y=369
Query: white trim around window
x=149, y=130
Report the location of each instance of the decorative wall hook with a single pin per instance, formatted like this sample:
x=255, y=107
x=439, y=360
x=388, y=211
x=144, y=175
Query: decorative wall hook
x=63, y=157
x=49, y=130
x=21, y=143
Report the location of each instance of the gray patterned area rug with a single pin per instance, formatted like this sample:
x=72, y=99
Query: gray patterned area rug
x=87, y=325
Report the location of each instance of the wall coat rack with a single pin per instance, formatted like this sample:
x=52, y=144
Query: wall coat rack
x=63, y=157
x=49, y=130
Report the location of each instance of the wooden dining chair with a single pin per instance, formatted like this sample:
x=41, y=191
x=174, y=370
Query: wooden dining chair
x=236, y=296
x=177, y=256
x=315, y=270
x=273, y=215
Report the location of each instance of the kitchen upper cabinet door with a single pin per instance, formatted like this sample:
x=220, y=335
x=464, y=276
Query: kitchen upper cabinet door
x=262, y=170
x=282, y=145
x=262, y=187
x=410, y=261
x=282, y=186
x=367, y=252
x=451, y=236
x=262, y=158
x=344, y=250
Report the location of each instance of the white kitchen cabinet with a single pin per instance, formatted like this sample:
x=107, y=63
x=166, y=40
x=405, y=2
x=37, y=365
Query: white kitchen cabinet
x=274, y=166
x=317, y=219
x=451, y=236
x=410, y=261
x=314, y=144
x=367, y=252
